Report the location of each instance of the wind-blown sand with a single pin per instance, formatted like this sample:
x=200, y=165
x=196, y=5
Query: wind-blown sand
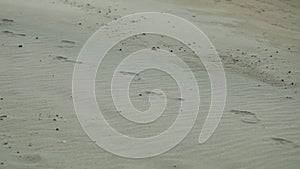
x=258, y=42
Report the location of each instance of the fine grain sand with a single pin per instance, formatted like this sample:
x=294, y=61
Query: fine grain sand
x=258, y=43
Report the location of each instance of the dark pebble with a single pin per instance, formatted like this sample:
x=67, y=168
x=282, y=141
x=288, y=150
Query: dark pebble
x=1, y=163
x=20, y=46
x=79, y=23
x=140, y=94
x=290, y=72
x=36, y=37
x=277, y=51
x=282, y=80
x=57, y=129
x=153, y=48
x=1, y=98
x=171, y=50
x=120, y=49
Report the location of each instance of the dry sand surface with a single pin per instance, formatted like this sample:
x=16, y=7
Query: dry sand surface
x=257, y=40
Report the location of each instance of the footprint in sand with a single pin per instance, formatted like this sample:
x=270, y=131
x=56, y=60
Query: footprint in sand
x=129, y=73
x=30, y=158
x=284, y=142
x=13, y=33
x=67, y=44
x=68, y=41
x=6, y=21
x=154, y=93
x=65, y=59
x=246, y=116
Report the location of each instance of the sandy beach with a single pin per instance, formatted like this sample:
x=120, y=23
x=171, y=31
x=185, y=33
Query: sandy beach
x=258, y=43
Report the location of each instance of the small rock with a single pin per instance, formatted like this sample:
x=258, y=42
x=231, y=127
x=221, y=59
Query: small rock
x=20, y=46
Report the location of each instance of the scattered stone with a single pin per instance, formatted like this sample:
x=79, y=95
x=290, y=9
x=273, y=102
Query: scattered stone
x=140, y=94
x=120, y=49
x=79, y=23
x=20, y=46
x=57, y=129
x=153, y=48
x=171, y=51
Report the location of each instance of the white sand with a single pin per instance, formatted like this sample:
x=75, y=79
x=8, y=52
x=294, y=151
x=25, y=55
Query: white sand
x=261, y=123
